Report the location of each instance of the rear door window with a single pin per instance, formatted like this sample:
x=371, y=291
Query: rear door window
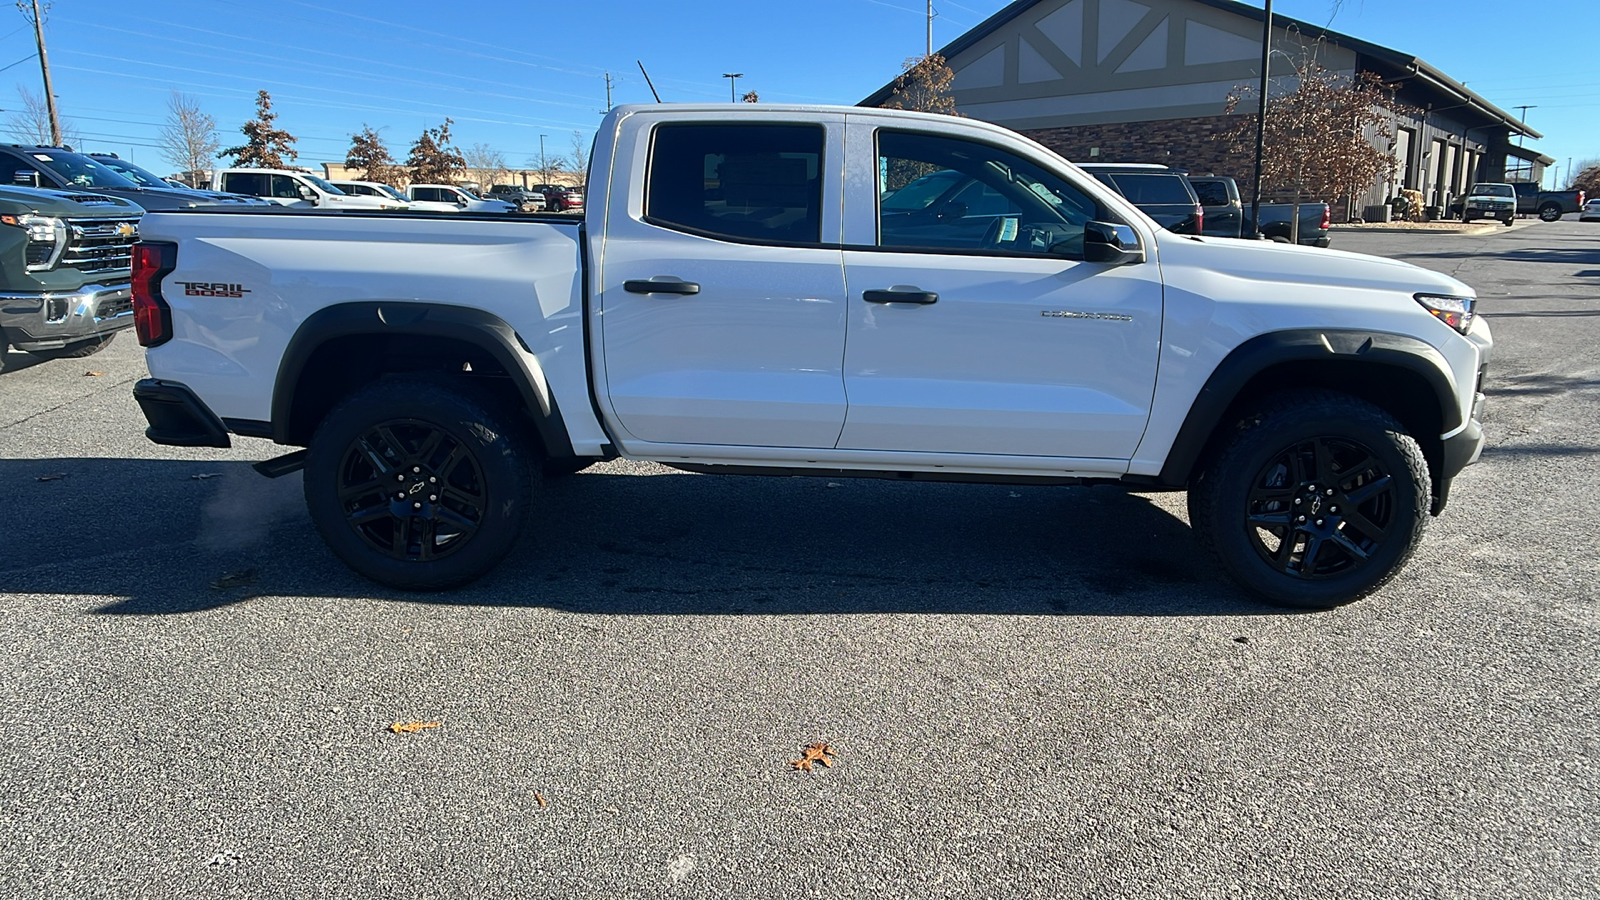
x=759, y=183
x=1211, y=193
x=252, y=183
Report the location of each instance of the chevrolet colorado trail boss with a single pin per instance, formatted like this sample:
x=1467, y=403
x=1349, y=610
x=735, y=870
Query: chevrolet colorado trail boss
x=740, y=298
x=64, y=269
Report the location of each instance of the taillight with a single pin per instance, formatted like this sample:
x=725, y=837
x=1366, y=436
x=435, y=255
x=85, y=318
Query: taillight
x=1327, y=216
x=1199, y=220
x=152, y=318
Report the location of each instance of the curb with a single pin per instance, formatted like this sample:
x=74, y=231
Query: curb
x=1473, y=229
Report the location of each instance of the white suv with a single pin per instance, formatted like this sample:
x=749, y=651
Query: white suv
x=300, y=190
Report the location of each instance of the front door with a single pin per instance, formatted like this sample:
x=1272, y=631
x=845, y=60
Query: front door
x=999, y=340
x=722, y=309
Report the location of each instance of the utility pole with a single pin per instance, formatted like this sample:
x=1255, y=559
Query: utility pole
x=1261, y=120
x=930, y=27
x=733, y=79
x=608, y=92
x=1523, y=118
x=544, y=167
x=44, y=66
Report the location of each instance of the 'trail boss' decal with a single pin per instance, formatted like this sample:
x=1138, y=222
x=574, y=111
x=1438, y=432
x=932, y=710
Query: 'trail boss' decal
x=212, y=289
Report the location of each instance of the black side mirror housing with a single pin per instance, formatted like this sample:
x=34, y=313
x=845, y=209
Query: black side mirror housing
x=1111, y=244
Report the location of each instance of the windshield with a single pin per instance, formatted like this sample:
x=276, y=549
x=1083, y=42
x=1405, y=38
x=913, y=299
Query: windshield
x=920, y=193
x=470, y=195
x=79, y=171
x=324, y=184
x=1493, y=190
x=141, y=177
x=391, y=192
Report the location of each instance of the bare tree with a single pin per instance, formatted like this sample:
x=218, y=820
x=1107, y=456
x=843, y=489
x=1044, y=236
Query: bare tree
x=488, y=165
x=30, y=123
x=1323, y=139
x=750, y=97
x=189, y=138
x=369, y=155
x=266, y=145
x=924, y=85
x=433, y=159
x=577, y=158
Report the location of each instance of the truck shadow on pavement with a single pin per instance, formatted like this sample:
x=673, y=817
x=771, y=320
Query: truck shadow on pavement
x=168, y=537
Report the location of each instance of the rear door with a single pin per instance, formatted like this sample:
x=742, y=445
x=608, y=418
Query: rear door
x=721, y=302
x=997, y=341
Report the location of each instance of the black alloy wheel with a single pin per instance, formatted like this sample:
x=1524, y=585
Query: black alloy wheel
x=411, y=490
x=1320, y=508
x=1314, y=500
x=419, y=483
x=1550, y=212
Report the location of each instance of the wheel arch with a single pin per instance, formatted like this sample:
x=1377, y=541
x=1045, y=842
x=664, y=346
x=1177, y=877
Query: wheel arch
x=341, y=348
x=1402, y=375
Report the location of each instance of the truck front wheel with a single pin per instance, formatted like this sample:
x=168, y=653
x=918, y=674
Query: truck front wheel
x=1316, y=500
x=418, y=485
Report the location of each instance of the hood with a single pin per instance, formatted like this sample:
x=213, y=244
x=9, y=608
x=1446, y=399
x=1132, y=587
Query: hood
x=67, y=204
x=1268, y=261
x=160, y=198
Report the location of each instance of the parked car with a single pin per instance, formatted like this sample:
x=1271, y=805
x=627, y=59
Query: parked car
x=734, y=305
x=147, y=179
x=525, y=199
x=373, y=189
x=1550, y=205
x=1161, y=191
x=64, y=270
x=1227, y=216
x=452, y=198
x=560, y=198
x=297, y=190
x=1490, y=200
x=1591, y=211
x=57, y=168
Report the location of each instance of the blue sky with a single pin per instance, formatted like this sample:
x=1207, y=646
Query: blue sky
x=507, y=72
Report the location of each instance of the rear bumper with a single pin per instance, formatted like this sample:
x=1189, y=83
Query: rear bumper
x=49, y=321
x=177, y=417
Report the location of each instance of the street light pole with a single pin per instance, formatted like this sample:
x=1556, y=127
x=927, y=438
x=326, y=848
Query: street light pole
x=733, y=79
x=544, y=167
x=1261, y=120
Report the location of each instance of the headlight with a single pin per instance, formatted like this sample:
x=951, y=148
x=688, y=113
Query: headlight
x=1453, y=311
x=47, y=240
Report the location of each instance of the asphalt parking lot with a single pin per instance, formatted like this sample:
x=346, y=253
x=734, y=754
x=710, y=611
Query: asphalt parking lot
x=1032, y=692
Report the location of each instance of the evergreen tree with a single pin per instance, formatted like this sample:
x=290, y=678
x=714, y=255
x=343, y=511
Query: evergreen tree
x=266, y=146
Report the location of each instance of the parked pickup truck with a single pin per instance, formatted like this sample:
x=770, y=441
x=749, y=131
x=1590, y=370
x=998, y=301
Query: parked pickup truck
x=64, y=270
x=1490, y=201
x=1550, y=205
x=734, y=302
x=1226, y=215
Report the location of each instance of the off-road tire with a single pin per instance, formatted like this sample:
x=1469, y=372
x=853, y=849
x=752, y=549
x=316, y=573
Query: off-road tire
x=485, y=474
x=1226, y=501
x=77, y=350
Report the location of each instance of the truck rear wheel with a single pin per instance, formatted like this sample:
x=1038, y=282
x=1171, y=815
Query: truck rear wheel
x=1316, y=500
x=418, y=485
x=1550, y=212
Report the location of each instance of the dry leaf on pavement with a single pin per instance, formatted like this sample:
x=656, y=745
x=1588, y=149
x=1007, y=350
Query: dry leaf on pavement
x=411, y=727
x=93, y=374
x=540, y=797
x=818, y=752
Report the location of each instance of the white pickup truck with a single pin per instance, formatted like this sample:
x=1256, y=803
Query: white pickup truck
x=740, y=297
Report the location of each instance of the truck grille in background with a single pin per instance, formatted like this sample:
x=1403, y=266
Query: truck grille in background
x=113, y=308
x=101, y=246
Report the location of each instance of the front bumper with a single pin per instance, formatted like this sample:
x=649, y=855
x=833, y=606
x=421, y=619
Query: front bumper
x=49, y=321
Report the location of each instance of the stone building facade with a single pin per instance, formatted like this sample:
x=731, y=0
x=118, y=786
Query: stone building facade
x=1149, y=81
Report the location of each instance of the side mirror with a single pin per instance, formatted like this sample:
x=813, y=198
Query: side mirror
x=306, y=193
x=26, y=177
x=1111, y=244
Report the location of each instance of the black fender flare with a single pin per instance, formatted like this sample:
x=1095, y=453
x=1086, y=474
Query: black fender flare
x=1264, y=351
x=484, y=330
